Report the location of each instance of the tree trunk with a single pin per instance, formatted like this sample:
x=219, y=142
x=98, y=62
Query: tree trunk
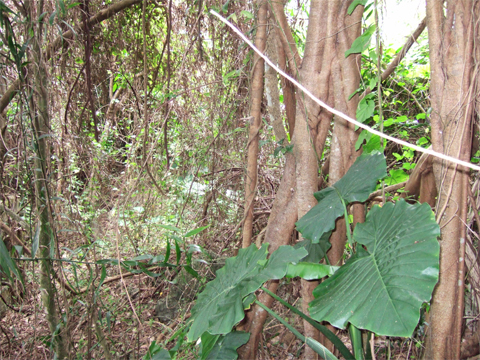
x=279, y=229
x=346, y=71
x=283, y=216
x=272, y=94
x=41, y=121
x=451, y=36
x=311, y=129
x=288, y=60
x=255, y=123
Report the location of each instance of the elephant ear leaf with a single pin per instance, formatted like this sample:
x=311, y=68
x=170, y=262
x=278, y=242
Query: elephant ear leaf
x=316, y=252
x=357, y=184
x=221, y=305
x=321, y=218
x=226, y=346
x=382, y=288
x=362, y=177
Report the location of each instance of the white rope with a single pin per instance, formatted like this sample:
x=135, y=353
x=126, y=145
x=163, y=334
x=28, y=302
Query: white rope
x=340, y=114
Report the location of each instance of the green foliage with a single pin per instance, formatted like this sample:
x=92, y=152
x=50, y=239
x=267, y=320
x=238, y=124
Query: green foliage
x=195, y=152
x=222, y=347
x=392, y=272
x=396, y=176
x=282, y=149
x=310, y=270
x=366, y=108
x=7, y=266
x=361, y=43
x=316, y=251
x=354, y=4
x=387, y=282
x=372, y=142
x=156, y=352
x=16, y=50
x=248, y=15
x=355, y=186
x=221, y=305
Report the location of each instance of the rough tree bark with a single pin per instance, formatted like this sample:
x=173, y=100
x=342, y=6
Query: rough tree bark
x=255, y=123
x=452, y=93
x=272, y=94
x=284, y=212
x=288, y=60
x=346, y=72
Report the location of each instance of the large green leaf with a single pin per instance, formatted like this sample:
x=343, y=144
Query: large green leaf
x=277, y=265
x=381, y=289
x=220, y=306
x=207, y=343
x=365, y=110
x=310, y=271
x=356, y=185
x=225, y=347
x=362, y=42
x=321, y=218
x=156, y=352
x=361, y=179
x=316, y=252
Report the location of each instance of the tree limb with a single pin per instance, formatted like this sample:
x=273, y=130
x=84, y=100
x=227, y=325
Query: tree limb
x=393, y=65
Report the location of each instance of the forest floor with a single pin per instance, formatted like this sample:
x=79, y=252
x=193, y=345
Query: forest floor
x=25, y=332
x=105, y=316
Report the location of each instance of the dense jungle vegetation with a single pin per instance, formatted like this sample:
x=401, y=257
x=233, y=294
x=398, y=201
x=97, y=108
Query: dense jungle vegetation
x=166, y=192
